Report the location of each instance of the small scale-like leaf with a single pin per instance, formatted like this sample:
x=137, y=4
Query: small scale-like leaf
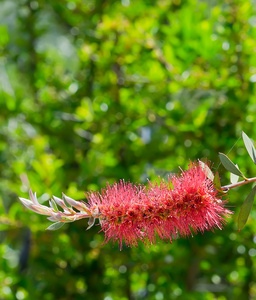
x=230, y=166
x=33, y=197
x=216, y=182
x=90, y=222
x=73, y=202
x=206, y=170
x=55, y=226
x=65, y=201
x=53, y=205
x=249, y=147
x=26, y=202
x=59, y=202
x=245, y=209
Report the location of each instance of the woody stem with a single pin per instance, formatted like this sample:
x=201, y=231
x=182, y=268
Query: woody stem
x=233, y=185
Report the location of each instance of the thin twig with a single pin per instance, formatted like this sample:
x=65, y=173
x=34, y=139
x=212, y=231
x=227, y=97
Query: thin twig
x=233, y=185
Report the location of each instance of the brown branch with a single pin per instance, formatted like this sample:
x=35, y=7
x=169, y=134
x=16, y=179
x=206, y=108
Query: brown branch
x=233, y=185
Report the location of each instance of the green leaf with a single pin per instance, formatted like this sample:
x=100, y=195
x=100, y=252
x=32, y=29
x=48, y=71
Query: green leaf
x=234, y=178
x=55, y=226
x=249, y=147
x=216, y=182
x=230, y=166
x=54, y=205
x=65, y=201
x=206, y=170
x=245, y=209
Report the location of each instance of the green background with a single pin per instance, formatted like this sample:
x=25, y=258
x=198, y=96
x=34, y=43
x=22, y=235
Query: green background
x=96, y=91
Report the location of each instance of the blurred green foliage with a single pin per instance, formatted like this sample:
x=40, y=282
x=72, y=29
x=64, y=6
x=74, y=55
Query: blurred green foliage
x=96, y=91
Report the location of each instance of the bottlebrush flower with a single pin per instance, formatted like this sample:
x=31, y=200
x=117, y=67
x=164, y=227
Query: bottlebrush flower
x=190, y=203
x=128, y=213
x=185, y=204
x=122, y=212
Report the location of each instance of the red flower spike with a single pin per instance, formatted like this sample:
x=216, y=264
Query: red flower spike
x=185, y=204
x=121, y=212
x=195, y=203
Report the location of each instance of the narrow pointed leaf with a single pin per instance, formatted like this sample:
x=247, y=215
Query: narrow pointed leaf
x=65, y=201
x=56, y=215
x=85, y=207
x=73, y=202
x=41, y=209
x=53, y=205
x=230, y=166
x=33, y=197
x=206, y=170
x=26, y=202
x=55, y=226
x=59, y=202
x=216, y=182
x=249, y=147
x=245, y=209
